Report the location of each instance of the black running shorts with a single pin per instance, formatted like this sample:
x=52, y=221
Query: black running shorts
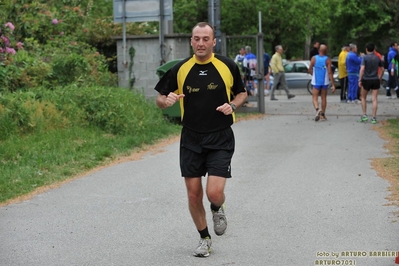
x=373, y=84
x=202, y=153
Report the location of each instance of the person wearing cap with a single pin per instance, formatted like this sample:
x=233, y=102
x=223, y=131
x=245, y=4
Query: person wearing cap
x=342, y=73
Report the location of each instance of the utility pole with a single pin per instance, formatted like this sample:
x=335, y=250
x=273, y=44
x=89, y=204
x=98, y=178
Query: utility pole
x=214, y=20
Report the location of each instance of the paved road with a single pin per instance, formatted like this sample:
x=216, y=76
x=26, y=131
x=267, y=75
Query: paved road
x=301, y=192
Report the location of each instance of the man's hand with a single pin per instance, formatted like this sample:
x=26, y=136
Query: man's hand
x=225, y=109
x=333, y=88
x=172, y=98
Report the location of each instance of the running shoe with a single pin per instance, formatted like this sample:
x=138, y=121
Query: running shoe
x=373, y=120
x=219, y=221
x=323, y=117
x=317, y=117
x=204, y=247
x=364, y=118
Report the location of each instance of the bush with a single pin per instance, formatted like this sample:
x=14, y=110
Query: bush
x=113, y=110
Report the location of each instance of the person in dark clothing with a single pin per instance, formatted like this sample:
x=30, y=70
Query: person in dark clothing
x=315, y=50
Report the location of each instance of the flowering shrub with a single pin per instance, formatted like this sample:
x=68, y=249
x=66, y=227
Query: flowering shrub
x=7, y=43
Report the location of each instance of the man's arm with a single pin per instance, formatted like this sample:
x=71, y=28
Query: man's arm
x=361, y=73
x=382, y=69
x=330, y=74
x=273, y=64
x=164, y=101
x=393, y=67
x=310, y=70
x=239, y=100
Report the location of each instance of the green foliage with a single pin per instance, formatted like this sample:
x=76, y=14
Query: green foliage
x=48, y=136
x=187, y=13
x=112, y=110
x=21, y=113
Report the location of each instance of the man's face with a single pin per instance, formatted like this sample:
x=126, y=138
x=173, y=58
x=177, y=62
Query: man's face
x=280, y=50
x=354, y=49
x=242, y=51
x=202, y=42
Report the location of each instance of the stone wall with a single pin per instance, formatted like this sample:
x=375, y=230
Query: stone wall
x=148, y=58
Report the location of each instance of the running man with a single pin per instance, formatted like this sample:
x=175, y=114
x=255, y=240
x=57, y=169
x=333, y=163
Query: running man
x=371, y=72
x=320, y=69
x=205, y=85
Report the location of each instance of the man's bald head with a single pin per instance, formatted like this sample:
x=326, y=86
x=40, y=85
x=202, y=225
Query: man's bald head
x=323, y=48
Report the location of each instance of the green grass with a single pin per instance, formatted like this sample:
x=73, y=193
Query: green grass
x=47, y=158
x=47, y=137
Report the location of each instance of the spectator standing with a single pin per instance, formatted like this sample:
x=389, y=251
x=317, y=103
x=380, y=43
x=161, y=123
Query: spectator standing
x=353, y=62
x=204, y=85
x=276, y=63
x=394, y=71
x=320, y=69
x=239, y=59
x=392, y=80
x=315, y=50
x=342, y=73
x=266, y=67
x=250, y=66
x=370, y=79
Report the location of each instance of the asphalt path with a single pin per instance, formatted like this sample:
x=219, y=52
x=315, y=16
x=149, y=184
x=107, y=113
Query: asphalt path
x=302, y=193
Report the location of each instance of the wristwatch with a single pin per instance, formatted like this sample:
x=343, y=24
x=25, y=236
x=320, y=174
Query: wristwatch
x=233, y=106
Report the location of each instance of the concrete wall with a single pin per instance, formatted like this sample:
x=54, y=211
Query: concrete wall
x=148, y=58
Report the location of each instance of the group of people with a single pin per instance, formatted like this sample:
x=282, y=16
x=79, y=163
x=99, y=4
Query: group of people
x=358, y=75
x=247, y=63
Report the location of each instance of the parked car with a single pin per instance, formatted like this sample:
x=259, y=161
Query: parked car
x=298, y=77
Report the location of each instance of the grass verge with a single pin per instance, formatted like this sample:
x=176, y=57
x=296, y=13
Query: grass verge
x=388, y=168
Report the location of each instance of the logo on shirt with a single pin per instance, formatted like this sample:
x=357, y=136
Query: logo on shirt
x=191, y=89
x=212, y=86
x=203, y=72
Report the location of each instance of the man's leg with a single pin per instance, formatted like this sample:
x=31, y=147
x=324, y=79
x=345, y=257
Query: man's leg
x=267, y=78
x=315, y=99
x=374, y=99
x=391, y=85
x=215, y=190
x=276, y=81
x=352, y=90
x=195, y=205
x=284, y=85
x=363, y=98
x=215, y=193
x=195, y=194
x=342, y=83
x=323, y=101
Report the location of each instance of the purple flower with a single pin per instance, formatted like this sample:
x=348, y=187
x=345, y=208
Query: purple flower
x=20, y=45
x=5, y=40
x=9, y=24
x=54, y=21
x=1, y=50
x=10, y=50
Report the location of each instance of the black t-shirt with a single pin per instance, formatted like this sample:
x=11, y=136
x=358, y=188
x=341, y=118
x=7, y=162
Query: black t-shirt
x=206, y=85
x=314, y=51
